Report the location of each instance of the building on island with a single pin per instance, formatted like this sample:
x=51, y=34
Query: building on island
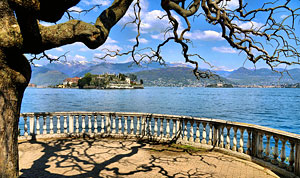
x=71, y=82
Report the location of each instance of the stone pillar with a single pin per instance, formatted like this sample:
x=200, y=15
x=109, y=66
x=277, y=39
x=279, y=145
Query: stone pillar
x=71, y=124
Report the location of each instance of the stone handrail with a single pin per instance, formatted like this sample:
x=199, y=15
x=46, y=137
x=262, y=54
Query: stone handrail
x=274, y=149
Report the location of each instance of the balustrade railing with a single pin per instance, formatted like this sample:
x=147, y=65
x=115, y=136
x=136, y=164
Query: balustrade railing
x=278, y=150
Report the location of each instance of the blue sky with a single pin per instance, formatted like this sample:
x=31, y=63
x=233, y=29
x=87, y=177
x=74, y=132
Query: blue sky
x=207, y=40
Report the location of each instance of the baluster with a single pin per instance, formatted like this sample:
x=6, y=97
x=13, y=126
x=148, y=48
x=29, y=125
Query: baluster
x=44, y=125
x=131, y=125
x=38, y=132
x=138, y=128
x=51, y=124
x=108, y=124
x=249, y=142
x=282, y=154
x=77, y=124
x=267, y=156
x=260, y=145
x=216, y=136
x=102, y=124
x=114, y=125
x=58, y=124
x=179, y=128
x=191, y=139
x=90, y=124
x=291, y=157
x=185, y=132
x=241, y=148
x=197, y=132
x=125, y=125
x=120, y=125
x=83, y=123
x=144, y=125
x=155, y=127
x=149, y=127
x=95, y=124
x=276, y=153
x=71, y=124
x=25, y=126
x=161, y=127
x=210, y=134
x=174, y=129
x=168, y=129
x=203, y=141
x=32, y=126
x=221, y=136
x=65, y=124
x=228, y=138
x=234, y=141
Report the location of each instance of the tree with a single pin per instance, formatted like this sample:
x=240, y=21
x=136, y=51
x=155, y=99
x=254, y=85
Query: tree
x=86, y=80
x=21, y=32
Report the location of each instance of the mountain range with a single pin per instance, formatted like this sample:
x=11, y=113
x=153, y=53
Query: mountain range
x=154, y=74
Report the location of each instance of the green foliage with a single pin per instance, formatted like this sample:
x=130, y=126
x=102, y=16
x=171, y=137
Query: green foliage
x=86, y=80
x=132, y=77
x=122, y=77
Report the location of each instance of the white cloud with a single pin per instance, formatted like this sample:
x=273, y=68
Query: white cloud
x=79, y=58
x=110, y=41
x=75, y=8
x=150, y=22
x=52, y=56
x=223, y=49
x=232, y=4
x=141, y=40
x=97, y=2
x=249, y=25
x=208, y=35
x=60, y=49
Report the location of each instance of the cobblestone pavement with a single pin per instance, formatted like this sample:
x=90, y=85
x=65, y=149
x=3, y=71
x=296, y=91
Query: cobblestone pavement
x=125, y=158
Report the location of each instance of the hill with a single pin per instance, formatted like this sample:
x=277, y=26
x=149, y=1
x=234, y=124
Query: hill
x=176, y=76
x=263, y=76
x=45, y=77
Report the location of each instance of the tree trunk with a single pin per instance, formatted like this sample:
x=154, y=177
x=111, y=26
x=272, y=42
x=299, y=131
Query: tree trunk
x=15, y=73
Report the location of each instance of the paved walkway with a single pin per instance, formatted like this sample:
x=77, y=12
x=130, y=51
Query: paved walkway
x=121, y=158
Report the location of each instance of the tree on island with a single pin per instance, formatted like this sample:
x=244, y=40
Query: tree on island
x=21, y=32
x=85, y=80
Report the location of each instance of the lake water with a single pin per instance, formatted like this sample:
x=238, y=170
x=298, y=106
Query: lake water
x=272, y=107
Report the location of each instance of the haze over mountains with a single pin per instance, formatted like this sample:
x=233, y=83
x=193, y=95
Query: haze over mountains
x=154, y=74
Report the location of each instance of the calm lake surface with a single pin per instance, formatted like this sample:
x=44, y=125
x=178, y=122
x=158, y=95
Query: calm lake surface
x=272, y=107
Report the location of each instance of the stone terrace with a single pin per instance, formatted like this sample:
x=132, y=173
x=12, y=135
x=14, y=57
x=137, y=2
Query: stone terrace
x=106, y=157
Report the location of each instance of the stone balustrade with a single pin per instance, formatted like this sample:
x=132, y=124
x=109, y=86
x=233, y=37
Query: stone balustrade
x=271, y=148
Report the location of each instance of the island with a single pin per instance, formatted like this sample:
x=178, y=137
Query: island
x=103, y=81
